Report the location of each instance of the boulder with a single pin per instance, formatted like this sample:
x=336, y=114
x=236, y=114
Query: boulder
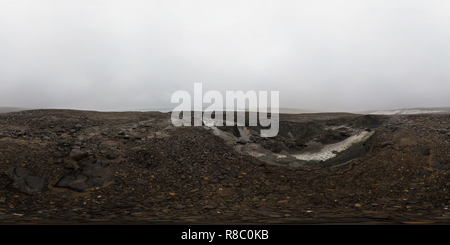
x=88, y=176
x=77, y=154
x=422, y=150
x=24, y=182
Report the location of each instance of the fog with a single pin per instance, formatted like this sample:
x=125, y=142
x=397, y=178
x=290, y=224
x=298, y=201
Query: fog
x=320, y=55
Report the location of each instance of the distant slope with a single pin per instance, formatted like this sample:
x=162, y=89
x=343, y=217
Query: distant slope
x=430, y=110
x=12, y=109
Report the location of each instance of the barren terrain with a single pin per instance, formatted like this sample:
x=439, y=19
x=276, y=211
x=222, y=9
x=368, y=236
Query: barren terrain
x=69, y=166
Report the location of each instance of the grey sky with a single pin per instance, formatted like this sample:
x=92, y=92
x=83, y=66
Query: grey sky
x=320, y=55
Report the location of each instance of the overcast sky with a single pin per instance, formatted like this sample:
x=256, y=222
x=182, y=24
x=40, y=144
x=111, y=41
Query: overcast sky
x=320, y=55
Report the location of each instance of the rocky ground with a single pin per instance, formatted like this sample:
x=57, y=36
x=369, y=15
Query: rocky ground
x=68, y=166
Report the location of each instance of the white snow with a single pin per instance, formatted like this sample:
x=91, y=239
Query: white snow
x=406, y=111
x=327, y=151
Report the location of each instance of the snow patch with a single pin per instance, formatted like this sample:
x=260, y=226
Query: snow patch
x=327, y=151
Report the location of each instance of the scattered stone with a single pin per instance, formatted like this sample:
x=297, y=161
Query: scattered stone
x=69, y=166
x=58, y=154
x=179, y=206
x=141, y=181
x=101, y=163
x=209, y=207
x=112, y=156
x=438, y=166
x=77, y=155
x=386, y=143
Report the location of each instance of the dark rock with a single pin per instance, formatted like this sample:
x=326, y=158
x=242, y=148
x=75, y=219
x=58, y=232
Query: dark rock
x=121, y=133
x=101, y=163
x=16, y=173
x=77, y=155
x=59, y=154
x=422, y=150
x=112, y=156
x=76, y=184
x=88, y=176
x=69, y=166
x=95, y=171
x=438, y=166
x=386, y=143
x=35, y=182
x=24, y=182
x=208, y=207
x=126, y=137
